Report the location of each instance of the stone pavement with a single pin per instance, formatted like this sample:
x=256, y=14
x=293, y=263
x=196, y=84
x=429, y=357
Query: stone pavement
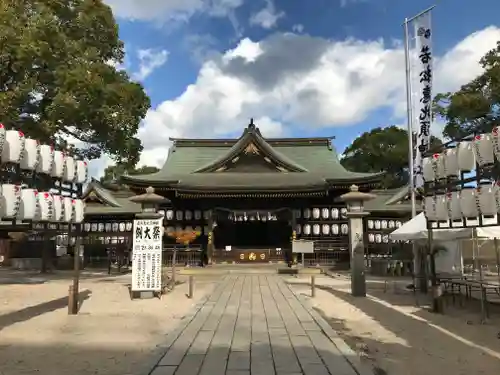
x=254, y=325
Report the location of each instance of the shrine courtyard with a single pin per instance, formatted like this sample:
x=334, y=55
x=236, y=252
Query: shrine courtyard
x=236, y=324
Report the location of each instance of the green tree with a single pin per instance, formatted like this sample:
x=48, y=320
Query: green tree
x=475, y=108
x=382, y=149
x=58, y=82
x=113, y=172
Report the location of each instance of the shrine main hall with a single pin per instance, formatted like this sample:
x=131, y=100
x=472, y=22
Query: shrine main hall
x=249, y=197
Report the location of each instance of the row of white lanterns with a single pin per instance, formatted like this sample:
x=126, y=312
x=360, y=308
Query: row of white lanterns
x=324, y=229
x=483, y=150
x=179, y=228
x=323, y=213
x=185, y=215
x=33, y=156
x=108, y=227
x=25, y=203
x=384, y=224
x=378, y=238
x=468, y=203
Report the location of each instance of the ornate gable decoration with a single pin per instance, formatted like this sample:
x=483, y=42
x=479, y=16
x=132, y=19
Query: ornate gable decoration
x=250, y=145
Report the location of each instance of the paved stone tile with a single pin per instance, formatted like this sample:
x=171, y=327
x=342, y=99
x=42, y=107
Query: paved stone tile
x=252, y=325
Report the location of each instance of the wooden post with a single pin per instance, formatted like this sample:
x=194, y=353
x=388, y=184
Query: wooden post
x=191, y=286
x=313, y=286
x=210, y=242
x=71, y=302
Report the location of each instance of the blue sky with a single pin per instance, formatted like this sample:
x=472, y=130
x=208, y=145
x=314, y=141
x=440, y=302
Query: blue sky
x=301, y=68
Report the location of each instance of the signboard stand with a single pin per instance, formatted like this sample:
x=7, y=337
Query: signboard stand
x=302, y=247
x=147, y=259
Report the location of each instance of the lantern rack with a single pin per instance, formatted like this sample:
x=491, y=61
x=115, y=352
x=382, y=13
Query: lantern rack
x=462, y=182
x=40, y=188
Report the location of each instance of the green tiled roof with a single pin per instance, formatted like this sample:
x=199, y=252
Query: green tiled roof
x=312, y=163
x=391, y=200
x=112, y=202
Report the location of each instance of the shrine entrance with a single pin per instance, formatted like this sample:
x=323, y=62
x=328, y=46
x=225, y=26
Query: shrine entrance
x=252, y=236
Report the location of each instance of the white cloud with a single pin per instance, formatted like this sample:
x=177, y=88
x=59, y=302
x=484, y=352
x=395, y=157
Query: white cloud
x=267, y=17
x=149, y=61
x=171, y=10
x=298, y=28
x=297, y=80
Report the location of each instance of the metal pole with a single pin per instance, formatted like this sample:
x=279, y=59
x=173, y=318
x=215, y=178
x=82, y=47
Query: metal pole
x=76, y=274
x=420, y=14
x=313, y=286
x=191, y=286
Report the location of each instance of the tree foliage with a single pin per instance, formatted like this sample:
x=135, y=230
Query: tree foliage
x=382, y=149
x=475, y=108
x=57, y=81
x=113, y=172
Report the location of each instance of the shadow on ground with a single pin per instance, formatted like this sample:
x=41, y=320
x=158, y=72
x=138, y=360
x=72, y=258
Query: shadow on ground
x=468, y=341
x=119, y=360
x=40, y=309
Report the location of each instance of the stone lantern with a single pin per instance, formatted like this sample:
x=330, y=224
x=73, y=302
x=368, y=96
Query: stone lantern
x=149, y=201
x=354, y=200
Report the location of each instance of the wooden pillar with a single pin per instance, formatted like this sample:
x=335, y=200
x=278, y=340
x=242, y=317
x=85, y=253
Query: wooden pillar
x=210, y=240
x=293, y=222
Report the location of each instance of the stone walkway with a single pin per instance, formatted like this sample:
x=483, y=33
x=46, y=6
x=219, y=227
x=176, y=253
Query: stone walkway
x=254, y=325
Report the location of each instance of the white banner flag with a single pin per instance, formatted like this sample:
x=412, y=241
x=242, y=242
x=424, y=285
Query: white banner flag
x=422, y=93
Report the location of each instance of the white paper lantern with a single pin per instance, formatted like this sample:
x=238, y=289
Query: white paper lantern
x=335, y=213
x=188, y=215
x=483, y=149
x=30, y=155
x=100, y=226
x=343, y=212
x=86, y=226
x=468, y=203
x=378, y=238
x=128, y=226
x=298, y=229
x=370, y=224
x=454, y=206
x=68, y=212
x=189, y=228
x=344, y=229
x=385, y=238
x=207, y=214
x=496, y=141
x=371, y=237
x=79, y=210
x=107, y=227
x=46, y=159
x=307, y=213
x=315, y=213
x=307, y=229
x=451, y=162
x=465, y=156
x=391, y=224
x=428, y=169
x=383, y=224
x=316, y=229
x=438, y=165
x=46, y=205
x=10, y=201
x=81, y=172
x=170, y=214
x=69, y=171
x=178, y=215
x=326, y=229
x=28, y=206
x=430, y=204
x=58, y=201
x=377, y=224
x=442, y=211
x=122, y=226
x=325, y=212
x=13, y=146
x=398, y=224
x=485, y=196
x=2, y=137
x=335, y=229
